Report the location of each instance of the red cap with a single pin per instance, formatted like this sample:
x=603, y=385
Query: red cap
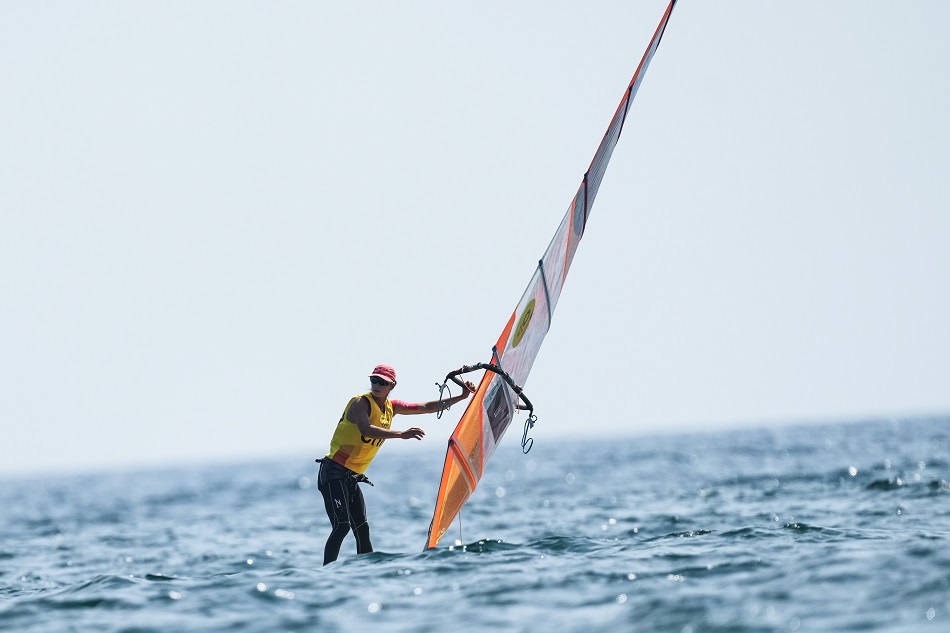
x=385, y=372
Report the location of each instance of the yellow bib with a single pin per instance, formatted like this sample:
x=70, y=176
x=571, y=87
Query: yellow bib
x=348, y=447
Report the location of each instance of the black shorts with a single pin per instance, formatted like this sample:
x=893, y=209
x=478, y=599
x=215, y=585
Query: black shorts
x=341, y=494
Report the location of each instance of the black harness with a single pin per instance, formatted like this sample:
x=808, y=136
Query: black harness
x=331, y=471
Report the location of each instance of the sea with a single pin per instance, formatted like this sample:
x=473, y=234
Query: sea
x=820, y=527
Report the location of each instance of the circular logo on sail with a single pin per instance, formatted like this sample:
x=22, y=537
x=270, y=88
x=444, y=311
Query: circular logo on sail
x=523, y=323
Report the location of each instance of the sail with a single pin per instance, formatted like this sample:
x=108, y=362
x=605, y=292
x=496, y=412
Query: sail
x=491, y=408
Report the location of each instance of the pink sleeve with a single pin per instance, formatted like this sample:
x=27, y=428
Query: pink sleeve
x=406, y=405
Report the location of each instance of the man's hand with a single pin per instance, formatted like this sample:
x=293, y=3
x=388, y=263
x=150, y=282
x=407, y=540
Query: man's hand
x=414, y=433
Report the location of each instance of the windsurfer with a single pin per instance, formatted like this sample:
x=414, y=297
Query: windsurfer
x=364, y=426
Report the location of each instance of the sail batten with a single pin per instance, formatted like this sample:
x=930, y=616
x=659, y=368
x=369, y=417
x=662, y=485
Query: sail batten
x=492, y=407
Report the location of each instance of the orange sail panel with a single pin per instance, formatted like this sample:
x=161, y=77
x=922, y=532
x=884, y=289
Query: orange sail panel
x=493, y=405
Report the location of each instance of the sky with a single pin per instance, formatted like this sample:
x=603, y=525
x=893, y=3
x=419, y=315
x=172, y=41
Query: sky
x=217, y=217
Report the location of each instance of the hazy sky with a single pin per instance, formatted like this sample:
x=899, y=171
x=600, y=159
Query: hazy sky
x=216, y=217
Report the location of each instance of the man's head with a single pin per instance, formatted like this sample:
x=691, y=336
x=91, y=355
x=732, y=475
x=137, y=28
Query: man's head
x=383, y=374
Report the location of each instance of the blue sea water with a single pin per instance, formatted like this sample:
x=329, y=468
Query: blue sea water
x=833, y=528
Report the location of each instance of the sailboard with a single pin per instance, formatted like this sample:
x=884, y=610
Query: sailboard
x=499, y=394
